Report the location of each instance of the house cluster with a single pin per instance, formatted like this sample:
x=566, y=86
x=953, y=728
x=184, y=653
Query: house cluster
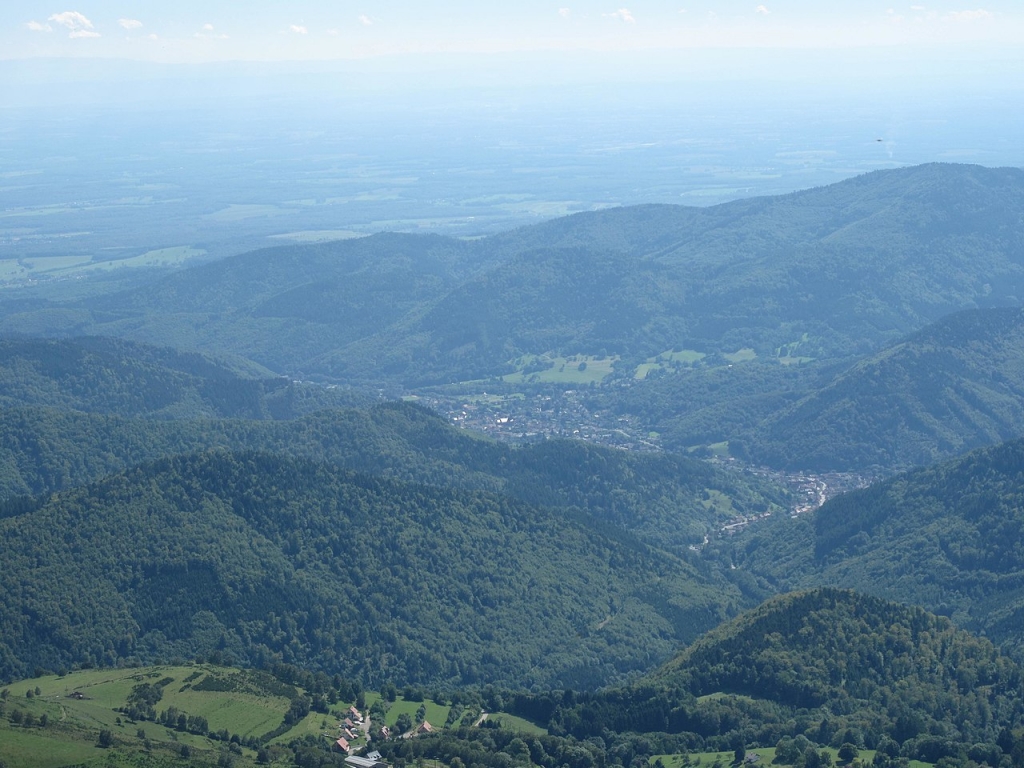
x=347, y=727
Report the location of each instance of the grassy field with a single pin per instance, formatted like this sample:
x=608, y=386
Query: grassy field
x=517, y=724
x=788, y=355
x=239, y=212
x=12, y=272
x=437, y=714
x=719, y=503
x=741, y=355
x=669, y=359
x=76, y=707
x=574, y=370
x=318, y=235
x=162, y=257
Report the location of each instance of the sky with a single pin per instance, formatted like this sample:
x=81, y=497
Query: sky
x=194, y=31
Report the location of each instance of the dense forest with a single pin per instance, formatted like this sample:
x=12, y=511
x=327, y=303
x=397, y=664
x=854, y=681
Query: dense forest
x=825, y=668
x=260, y=556
x=946, y=537
x=956, y=385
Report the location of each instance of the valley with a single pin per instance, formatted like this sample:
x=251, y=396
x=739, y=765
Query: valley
x=636, y=485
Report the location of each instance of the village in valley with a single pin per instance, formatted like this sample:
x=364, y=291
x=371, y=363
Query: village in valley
x=521, y=419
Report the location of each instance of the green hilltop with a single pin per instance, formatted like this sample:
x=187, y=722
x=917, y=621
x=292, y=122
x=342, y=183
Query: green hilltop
x=827, y=666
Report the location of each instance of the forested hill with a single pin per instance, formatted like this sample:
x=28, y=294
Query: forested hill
x=106, y=375
x=827, y=667
x=853, y=265
x=670, y=501
x=843, y=649
x=256, y=555
x=282, y=306
x=956, y=385
x=947, y=537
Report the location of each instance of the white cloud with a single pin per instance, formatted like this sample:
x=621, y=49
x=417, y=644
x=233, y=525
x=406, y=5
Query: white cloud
x=762, y=10
x=978, y=15
x=208, y=32
x=35, y=26
x=623, y=14
x=78, y=26
x=365, y=20
x=918, y=8
x=564, y=13
x=130, y=23
x=298, y=29
x=333, y=32
x=153, y=36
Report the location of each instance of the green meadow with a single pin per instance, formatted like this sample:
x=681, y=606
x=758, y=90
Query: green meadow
x=60, y=718
x=573, y=370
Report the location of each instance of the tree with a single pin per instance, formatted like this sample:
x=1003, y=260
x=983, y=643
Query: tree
x=404, y=723
x=739, y=755
x=847, y=753
x=105, y=738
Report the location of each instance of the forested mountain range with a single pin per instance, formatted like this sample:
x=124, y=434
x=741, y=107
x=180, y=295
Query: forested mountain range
x=956, y=385
x=852, y=265
x=668, y=500
x=947, y=537
x=163, y=503
x=115, y=376
x=263, y=557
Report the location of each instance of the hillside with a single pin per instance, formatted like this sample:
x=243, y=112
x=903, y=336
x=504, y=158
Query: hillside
x=828, y=666
x=956, y=385
x=841, y=270
x=945, y=537
x=278, y=306
x=131, y=717
x=112, y=376
x=669, y=501
x=851, y=265
x=376, y=579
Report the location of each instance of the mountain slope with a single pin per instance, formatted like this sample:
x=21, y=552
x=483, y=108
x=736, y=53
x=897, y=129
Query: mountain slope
x=257, y=555
x=954, y=386
x=113, y=376
x=946, y=537
x=825, y=666
x=669, y=501
x=852, y=265
x=279, y=306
